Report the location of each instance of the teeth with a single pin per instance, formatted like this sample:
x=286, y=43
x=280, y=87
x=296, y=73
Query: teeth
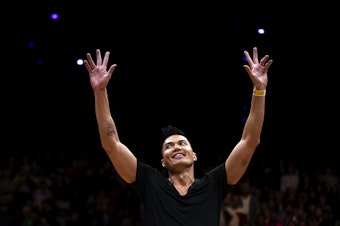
x=178, y=155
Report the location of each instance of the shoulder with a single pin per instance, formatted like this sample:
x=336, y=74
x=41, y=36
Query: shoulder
x=145, y=171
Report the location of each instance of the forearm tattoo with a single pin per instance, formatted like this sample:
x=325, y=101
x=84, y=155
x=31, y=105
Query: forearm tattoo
x=111, y=128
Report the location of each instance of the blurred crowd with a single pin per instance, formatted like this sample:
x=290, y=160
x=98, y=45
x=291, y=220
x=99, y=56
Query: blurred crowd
x=61, y=189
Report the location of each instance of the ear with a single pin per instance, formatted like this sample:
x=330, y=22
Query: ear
x=195, y=156
x=162, y=162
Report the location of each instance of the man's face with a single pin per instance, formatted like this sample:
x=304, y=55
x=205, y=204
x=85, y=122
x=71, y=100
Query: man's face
x=177, y=151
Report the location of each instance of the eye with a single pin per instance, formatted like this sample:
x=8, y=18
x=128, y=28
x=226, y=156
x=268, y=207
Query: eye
x=183, y=143
x=169, y=145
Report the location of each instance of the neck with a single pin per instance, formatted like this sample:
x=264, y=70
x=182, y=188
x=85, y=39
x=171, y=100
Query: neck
x=184, y=179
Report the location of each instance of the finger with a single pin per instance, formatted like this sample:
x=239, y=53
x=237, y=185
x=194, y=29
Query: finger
x=264, y=60
x=248, y=58
x=255, y=56
x=106, y=58
x=247, y=68
x=99, y=58
x=87, y=66
x=112, y=68
x=90, y=60
x=267, y=65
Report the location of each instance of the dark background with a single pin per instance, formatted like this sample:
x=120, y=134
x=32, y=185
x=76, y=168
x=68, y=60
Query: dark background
x=179, y=64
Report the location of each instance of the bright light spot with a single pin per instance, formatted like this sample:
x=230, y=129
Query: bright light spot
x=80, y=62
x=261, y=31
x=54, y=16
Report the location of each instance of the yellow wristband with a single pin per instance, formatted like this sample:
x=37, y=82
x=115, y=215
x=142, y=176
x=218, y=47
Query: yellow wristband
x=260, y=93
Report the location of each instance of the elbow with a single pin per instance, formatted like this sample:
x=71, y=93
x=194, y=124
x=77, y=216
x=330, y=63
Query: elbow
x=110, y=143
x=253, y=144
x=257, y=143
x=108, y=146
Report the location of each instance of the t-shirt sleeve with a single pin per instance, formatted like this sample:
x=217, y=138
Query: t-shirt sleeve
x=219, y=174
x=144, y=171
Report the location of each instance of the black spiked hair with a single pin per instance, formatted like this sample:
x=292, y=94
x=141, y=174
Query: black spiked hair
x=170, y=130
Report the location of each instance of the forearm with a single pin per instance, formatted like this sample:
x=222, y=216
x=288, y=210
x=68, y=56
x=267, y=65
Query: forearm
x=254, y=123
x=239, y=159
x=121, y=157
x=106, y=125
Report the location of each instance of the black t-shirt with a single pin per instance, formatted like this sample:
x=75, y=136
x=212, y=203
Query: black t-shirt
x=164, y=206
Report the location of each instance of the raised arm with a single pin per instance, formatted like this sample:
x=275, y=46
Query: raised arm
x=239, y=158
x=121, y=157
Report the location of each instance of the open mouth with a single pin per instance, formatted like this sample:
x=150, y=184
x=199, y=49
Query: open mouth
x=178, y=156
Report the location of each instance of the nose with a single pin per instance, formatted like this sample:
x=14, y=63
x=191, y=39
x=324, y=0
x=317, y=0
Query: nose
x=177, y=147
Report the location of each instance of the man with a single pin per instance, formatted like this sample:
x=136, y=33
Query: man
x=180, y=198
